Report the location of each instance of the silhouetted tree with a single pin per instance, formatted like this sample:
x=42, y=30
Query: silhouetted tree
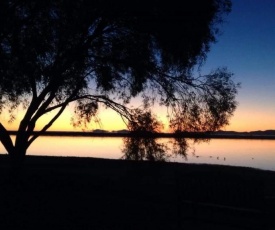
x=144, y=122
x=142, y=144
x=57, y=52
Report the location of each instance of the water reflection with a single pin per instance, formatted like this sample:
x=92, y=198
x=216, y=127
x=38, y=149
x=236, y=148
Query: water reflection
x=238, y=152
x=180, y=146
x=144, y=148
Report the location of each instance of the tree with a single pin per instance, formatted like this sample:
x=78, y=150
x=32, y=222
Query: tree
x=143, y=145
x=54, y=53
x=144, y=122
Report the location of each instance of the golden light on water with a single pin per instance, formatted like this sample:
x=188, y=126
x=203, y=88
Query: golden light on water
x=237, y=152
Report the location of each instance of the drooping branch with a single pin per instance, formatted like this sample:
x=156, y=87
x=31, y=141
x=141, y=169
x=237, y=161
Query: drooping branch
x=65, y=103
x=119, y=108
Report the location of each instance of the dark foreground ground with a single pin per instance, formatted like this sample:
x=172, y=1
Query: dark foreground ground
x=82, y=193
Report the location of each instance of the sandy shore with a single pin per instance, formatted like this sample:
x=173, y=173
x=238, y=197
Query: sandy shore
x=88, y=193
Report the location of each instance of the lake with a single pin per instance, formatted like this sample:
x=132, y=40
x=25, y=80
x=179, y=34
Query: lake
x=237, y=152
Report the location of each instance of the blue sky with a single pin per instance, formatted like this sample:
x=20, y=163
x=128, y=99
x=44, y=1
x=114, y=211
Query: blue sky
x=247, y=47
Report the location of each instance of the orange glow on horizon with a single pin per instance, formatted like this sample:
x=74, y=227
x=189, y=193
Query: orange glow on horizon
x=251, y=120
x=243, y=120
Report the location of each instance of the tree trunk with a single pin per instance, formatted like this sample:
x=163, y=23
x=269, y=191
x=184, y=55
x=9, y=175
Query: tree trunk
x=17, y=156
x=5, y=139
x=16, y=167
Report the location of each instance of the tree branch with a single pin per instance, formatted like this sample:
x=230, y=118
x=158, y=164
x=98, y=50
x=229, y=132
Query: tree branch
x=5, y=139
x=33, y=87
x=34, y=105
x=47, y=126
x=59, y=105
x=119, y=108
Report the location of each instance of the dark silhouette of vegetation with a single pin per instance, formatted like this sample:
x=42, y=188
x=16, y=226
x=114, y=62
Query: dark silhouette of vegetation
x=144, y=122
x=87, y=53
x=142, y=145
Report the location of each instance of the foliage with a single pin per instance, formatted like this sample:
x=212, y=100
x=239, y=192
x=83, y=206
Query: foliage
x=204, y=104
x=144, y=122
x=54, y=53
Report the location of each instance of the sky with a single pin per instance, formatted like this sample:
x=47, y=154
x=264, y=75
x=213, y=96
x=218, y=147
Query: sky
x=246, y=46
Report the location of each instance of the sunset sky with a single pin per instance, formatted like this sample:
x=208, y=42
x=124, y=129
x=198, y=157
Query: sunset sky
x=247, y=47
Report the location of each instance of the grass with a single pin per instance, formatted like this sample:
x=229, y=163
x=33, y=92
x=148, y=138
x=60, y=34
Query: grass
x=89, y=193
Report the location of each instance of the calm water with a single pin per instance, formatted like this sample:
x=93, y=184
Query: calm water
x=239, y=152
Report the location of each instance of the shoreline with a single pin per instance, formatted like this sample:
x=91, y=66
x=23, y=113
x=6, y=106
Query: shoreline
x=269, y=135
x=87, y=160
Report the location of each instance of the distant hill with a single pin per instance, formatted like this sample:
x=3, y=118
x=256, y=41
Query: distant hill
x=259, y=132
x=99, y=131
x=121, y=131
x=252, y=134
